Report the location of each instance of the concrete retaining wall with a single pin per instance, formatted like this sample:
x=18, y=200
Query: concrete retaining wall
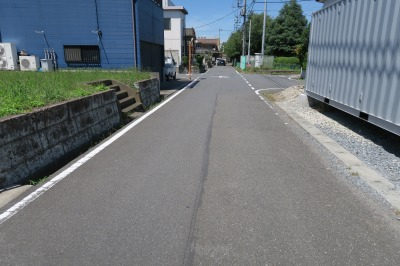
x=149, y=91
x=32, y=144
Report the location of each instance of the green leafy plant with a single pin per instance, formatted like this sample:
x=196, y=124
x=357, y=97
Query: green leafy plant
x=21, y=91
x=38, y=181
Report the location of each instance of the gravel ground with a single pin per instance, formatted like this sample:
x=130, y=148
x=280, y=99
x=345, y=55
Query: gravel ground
x=376, y=147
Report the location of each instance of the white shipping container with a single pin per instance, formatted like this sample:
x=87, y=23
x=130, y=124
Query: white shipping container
x=354, y=59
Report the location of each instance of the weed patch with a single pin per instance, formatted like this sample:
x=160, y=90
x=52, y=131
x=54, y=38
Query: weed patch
x=273, y=96
x=21, y=92
x=38, y=181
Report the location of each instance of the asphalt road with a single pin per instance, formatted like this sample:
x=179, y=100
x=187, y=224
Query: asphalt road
x=214, y=177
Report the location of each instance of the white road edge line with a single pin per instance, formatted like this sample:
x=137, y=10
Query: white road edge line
x=261, y=97
x=34, y=195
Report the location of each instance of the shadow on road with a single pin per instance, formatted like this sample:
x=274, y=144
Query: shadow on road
x=175, y=84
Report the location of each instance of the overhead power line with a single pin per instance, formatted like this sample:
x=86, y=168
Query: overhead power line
x=217, y=19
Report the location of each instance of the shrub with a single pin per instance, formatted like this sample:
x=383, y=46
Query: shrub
x=199, y=60
x=286, y=60
x=286, y=63
x=185, y=60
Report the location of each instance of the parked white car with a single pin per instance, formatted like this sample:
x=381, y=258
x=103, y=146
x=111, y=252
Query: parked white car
x=169, y=71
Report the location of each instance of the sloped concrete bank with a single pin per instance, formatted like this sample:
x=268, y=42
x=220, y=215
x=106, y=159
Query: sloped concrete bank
x=34, y=144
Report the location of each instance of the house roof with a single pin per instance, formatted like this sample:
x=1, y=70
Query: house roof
x=189, y=32
x=176, y=8
x=207, y=41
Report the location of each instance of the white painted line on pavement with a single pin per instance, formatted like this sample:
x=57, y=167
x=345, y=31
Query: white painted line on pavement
x=257, y=92
x=34, y=195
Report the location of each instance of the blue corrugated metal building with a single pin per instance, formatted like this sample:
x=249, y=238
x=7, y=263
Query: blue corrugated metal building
x=94, y=33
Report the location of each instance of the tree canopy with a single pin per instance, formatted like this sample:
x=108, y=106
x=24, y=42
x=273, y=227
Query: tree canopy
x=286, y=30
x=257, y=21
x=286, y=35
x=233, y=46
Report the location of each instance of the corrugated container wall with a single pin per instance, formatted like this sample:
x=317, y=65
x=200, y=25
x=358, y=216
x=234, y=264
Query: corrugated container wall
x=354, y=59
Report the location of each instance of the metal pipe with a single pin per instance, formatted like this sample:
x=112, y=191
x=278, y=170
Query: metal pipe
x=54, y=58
x=263, y=35
x=190, y=58
x=244, y=28
x=134, y=34
x=248, y=49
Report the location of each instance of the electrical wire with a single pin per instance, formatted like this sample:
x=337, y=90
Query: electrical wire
x=217, y=19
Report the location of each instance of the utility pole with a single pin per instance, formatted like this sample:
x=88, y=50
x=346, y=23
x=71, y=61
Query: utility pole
x=263, y=34
x=219, y=40
x=248, y=48
x=238, y=15
x=219, y=36
x=190, y=58
x=244, y=28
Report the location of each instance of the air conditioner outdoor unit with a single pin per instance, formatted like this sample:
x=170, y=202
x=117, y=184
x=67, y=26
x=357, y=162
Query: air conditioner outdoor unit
x=8, y=56
x=29, y=63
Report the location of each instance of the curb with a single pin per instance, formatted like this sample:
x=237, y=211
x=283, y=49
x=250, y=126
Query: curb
x=376, y=181
x=10, y=194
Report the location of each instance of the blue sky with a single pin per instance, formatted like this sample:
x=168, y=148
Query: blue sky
x=203, y=12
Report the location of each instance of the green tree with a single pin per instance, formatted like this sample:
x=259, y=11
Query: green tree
x=286, y=30
x=302, y=48
x=233, y=46
x=257, y=21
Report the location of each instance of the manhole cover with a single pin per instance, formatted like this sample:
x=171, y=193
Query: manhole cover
x=221, y=77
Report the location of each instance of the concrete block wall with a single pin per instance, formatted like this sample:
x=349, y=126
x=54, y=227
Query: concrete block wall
x=149, y=91
x=31, y=144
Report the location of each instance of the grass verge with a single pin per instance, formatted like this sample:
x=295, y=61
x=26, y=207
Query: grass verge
x=272, y=97
x=269, y=71
x=21, y=92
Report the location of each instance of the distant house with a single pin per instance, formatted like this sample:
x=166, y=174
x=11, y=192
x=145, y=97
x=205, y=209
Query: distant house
x=174, y=31
x=208, y=46
x=97, y=33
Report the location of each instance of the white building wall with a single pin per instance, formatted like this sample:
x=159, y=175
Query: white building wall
x=173, y=39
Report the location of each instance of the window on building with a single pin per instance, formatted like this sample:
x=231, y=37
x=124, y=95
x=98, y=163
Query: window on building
x=167, y=23
x=82, y=55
